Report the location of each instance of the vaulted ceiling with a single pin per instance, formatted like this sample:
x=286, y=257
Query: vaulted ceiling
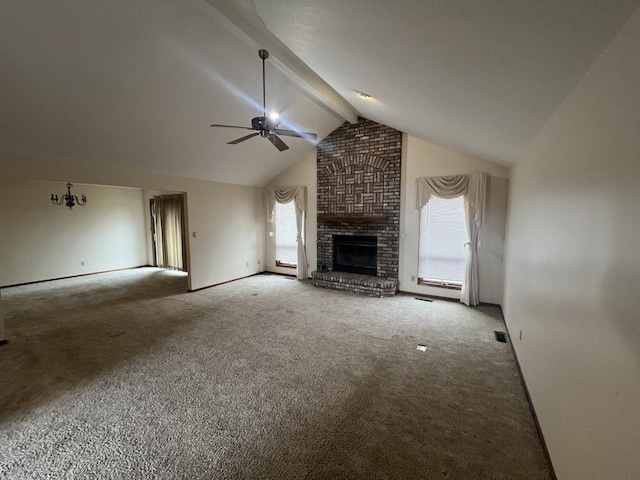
x=136, y=83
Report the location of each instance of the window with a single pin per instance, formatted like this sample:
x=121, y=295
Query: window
x=442, y=251
x=286, y=235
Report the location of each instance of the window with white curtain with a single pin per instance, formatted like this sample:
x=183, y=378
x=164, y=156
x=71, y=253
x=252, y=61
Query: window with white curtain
x=443, y=235
x=286, y=235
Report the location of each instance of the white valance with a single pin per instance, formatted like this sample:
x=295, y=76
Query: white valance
x=472, y=186
x=284, y=195
x=450, y=186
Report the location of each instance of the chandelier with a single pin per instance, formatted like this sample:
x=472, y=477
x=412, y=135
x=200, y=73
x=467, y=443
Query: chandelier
x=69, y=200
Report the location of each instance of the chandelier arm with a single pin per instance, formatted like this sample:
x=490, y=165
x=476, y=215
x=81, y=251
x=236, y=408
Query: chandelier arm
x=68, y=199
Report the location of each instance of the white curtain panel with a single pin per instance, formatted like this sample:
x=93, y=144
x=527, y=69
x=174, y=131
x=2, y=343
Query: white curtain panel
x=474, y=208
x=170, y=249
x=299, y=195
x=301, y=218
x=473, y=187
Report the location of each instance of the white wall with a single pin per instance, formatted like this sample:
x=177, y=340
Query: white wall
x=228, y=219
x=303, y=172
x=40, y=240
x=573, y=270
x=424, y=159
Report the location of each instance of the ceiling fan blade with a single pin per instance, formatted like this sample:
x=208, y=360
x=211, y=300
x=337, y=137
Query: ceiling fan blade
x=294, y=133
x=242, y=139
x=229, y=126
x=265, y=126
x=279, y=144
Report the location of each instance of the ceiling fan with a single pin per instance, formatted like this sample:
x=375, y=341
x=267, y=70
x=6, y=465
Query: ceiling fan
x=265, y=126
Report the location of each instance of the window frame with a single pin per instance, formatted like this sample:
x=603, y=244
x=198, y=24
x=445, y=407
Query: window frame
x=284, y=263
x=450, y=285
x=436, y=282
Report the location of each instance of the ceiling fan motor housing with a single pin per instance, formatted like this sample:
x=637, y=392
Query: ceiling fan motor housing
x=263, y=123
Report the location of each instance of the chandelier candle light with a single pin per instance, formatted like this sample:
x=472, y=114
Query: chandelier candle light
x=69, y=200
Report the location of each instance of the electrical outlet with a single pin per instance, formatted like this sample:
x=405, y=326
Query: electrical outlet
x=82, y=263
x=247, y=264
x=413, y=278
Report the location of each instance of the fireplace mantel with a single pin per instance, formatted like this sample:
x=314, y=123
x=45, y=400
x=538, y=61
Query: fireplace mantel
x=351, y=217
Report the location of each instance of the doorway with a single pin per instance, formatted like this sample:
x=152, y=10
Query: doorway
x=168, y=231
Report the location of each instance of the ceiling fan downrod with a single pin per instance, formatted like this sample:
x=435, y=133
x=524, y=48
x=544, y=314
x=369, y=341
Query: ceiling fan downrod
x=264, y=54
x=264, y=126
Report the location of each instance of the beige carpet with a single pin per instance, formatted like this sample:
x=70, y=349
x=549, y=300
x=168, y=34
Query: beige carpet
x=123, y=375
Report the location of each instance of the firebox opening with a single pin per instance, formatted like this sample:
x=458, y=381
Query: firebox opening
x=355, y=254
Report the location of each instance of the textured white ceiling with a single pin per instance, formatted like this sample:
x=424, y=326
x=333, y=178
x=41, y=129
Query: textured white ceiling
x=136, y=83
x=481, y=77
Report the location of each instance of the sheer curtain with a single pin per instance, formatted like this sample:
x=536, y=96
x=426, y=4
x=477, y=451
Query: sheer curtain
x=299, y=196
x=473, y=187
x=170, y=248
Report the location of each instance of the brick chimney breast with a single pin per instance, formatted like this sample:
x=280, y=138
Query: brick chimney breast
x=358, y=175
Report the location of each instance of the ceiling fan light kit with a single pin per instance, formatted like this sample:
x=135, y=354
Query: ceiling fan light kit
x=362, y=94
x=267, y=126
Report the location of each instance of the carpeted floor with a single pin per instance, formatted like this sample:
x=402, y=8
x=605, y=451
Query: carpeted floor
x=122, y=375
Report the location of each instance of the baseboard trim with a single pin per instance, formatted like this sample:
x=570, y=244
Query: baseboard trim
x=489, y=304
x=269, y=272
x=531, y=407
x=240, y=278
x=74, y=276
x=424, y=295
x=222, y=283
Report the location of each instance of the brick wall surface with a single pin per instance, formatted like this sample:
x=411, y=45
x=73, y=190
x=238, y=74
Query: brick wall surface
x=359, y=173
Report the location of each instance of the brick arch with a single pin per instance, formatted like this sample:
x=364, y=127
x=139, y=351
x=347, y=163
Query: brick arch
x=373, y=161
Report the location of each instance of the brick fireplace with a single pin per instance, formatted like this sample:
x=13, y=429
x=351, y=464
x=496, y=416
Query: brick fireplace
x=359, y=196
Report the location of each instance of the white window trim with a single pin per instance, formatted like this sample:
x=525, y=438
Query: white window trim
x=459, y=231
x=285, y=263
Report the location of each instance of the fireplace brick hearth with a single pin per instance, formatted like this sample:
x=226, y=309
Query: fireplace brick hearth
x=358, y=171
x=356, y=283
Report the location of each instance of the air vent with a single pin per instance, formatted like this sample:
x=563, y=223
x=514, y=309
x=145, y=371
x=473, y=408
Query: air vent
x=422, y=299
x=500, y=336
